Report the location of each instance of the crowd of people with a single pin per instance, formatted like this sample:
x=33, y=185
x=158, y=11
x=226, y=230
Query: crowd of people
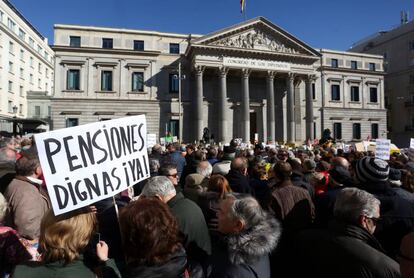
x=217, y=211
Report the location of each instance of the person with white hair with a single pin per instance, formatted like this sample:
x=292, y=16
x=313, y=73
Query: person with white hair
x=197, y=183
x=250, y=234
x=347, y=248
x=190, y=218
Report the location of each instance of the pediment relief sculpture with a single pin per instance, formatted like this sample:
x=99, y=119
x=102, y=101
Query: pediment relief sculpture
x=255, y=39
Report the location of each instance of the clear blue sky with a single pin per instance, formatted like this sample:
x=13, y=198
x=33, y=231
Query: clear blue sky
x=322, y=24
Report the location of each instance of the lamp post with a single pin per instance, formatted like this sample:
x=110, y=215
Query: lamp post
x=15, y=108
x=180, y=77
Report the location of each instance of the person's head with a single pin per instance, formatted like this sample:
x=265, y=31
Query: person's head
x=169, y=170
x=239, y=213
x=339, y=161
x=219, y=184
x=338, y=175
x=282, y=170
x=199, y=155
x=64, y=237
x=212, y=153
x=309, y=165
x=204, y=168
x=259, y=171
x=156, y=149
x=357, y=207
x=7, y=150
x=239, y=164
x=190, y=149
x=160, y=187
x=282, y=155
x=3, y=207
x=149, y=232
x=372, y=170
x=154, y=165
x=28, y=165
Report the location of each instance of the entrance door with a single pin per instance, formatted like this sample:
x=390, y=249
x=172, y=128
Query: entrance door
x=253, y=125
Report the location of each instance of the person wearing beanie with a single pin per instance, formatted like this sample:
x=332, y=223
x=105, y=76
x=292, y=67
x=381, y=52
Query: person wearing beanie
x=397, y=209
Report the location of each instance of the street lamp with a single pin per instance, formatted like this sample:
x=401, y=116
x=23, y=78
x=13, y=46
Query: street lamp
x=15, y=108
x=180, y=77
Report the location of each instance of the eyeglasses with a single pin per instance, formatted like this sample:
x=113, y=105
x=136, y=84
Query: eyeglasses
x=173, y=175
x=374, y=219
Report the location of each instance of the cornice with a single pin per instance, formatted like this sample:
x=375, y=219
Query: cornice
x=105, y=51
x=348, y=70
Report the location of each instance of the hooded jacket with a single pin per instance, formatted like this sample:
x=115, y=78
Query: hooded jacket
x=246, y=255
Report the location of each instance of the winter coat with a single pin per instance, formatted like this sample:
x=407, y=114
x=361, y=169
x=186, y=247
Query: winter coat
x=397, y=215
x=341, y=251
x=174, y=268
x=28, y=203
x=192, y=224
x=261, y=190
x=238, y=182
x=59, y=269
x=246, y=255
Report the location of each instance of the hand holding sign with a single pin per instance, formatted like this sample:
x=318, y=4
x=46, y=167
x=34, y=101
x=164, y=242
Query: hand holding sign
x=88, y=163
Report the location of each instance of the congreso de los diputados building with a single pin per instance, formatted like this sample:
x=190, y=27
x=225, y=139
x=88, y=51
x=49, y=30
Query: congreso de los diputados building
x=250, y=80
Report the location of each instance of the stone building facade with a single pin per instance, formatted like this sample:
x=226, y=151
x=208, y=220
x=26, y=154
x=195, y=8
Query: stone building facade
x=26, y=63
x=250, y=79
x=397, y=48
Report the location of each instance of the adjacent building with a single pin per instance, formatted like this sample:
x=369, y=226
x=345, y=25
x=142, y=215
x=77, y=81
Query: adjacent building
x=26, y=64
x=397, y=48
x=253, y=79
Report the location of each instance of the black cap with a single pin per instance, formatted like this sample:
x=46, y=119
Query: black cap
x=339, y=174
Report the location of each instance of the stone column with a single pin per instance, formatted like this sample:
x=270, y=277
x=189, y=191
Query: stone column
x=245, y=105
x=198, y=105
x=309, y=108
x=270, y=106
x=222, y=119
x=290, y=108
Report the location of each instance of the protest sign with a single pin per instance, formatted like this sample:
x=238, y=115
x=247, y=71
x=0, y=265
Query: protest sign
x=359, y=147
x=151, y=140
x=347, y=148
x=382, y=149
x=88, y=163
x=412, y=143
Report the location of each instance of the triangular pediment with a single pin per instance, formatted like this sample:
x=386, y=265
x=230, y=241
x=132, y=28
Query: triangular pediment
x=257, y=34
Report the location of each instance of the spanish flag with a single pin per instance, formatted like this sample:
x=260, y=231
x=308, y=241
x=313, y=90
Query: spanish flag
x=242, y=5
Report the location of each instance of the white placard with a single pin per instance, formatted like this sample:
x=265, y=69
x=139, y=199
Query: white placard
x=255, y=64
x=151, y=140
x=412, y=143
x=256, y=137
x=88, y=163
x=175, y=139
x=162, y=140
x=382, y=149
x=347, y=148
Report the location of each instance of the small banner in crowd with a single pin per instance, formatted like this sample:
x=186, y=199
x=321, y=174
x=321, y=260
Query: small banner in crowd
x=151, y=140
x=382, y=149
x=88, y=163
x=412, y=143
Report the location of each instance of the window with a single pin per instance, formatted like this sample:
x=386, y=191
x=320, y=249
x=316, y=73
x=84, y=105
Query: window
x=173, y=83
x=72, y=122
x=11, y=24
x=138, y=81
x=73, y=79
x=374, y=131
x=354, y=65
x=39, y=83
x=46, y=55
x=21, y=91
x=411, y=45
x=75, y=41
x=21, y=54
x=356, y=131
x=335, y=92
x=39, y=67
x=47, y=72
x=21, y=73
x=31, y=42
x=10, y=106
x=174, y=48
x=10, y=87
x=37, y=111
x=337, y=130
x=354, y=93
x=49, y=111
x=106, y=80
x=139, y=45
x=11, y=67
x=1, y=16
x=39, y=49
x=21, y=109
x=373, y=95
x=31, y=78
x=22, y=34
x=46, y=86
x=334, y=63
x=31, y=61
x=11, y=47
x=174, y=127
x=313, y=92
x=371, y=66
x=107, y=43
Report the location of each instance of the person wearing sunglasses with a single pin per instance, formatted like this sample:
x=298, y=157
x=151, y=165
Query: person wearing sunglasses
x=347, y=248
